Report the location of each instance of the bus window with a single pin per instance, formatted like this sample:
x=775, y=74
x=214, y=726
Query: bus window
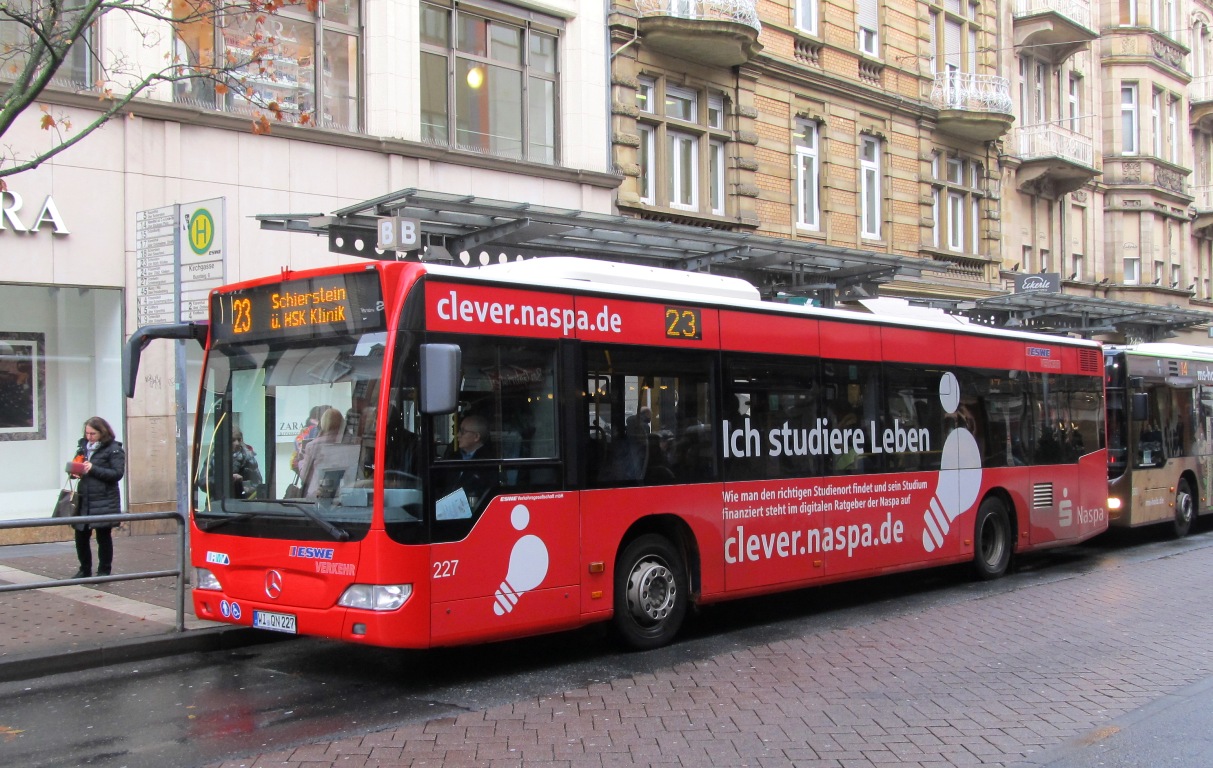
x=650, y=417
x=506, y=420
x=852, y=396
x=301, y=408
x=1149, y=437
x=775, y=397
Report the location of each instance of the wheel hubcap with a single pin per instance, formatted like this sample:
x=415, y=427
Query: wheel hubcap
x=651, y=591
x=1184, y=507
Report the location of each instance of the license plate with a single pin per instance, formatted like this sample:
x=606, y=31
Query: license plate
x=278, y=622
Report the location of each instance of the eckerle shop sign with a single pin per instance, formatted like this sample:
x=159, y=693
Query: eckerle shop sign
x=12, y=218
x=1044, y=282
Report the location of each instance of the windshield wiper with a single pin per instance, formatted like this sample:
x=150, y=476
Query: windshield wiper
x=338, y=533
x=210, y=525
x=306, y=507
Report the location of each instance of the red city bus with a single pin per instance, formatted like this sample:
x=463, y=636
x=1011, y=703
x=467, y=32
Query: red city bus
x=443, y=456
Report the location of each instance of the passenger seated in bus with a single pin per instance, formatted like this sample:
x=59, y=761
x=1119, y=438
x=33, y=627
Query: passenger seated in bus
x=471, y=443
x=331, y=430
x=471, y=440
x=640, y=423
x=1150, y=446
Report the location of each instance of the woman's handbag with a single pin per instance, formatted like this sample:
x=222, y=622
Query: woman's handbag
x=68, y=504
x=294, y=490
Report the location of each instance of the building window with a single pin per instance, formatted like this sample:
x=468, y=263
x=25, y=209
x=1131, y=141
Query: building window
x=1128, y=119
x=680, y=104
x=645, y=91
x=684, y=147
x=489, y=86
x=1128, y=13
x=645, y=160
x=311, y=76
x=1162, y=17
x=808, y=174
x=806, y=16
x=868, y=21
x=958, y=185
x=1074, y=102
x=1173, y=147
x=1078, y=241
x=683, y=177
x=80, y=69
x=716, y=112
x=716, y=166
x=1156, y=121
x=871, y=213
x=954, y=34
x=1132, y=270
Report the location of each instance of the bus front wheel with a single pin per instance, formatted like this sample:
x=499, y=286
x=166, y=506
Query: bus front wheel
x=651, y=592
x=992, y=540
x=1185, y=509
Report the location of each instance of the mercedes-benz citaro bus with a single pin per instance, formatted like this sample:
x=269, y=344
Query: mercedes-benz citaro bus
x=449, y=456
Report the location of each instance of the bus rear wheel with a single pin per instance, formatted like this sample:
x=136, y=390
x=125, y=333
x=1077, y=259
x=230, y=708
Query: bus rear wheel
x=651, y=592
x=1185, y=509
x=991, y=540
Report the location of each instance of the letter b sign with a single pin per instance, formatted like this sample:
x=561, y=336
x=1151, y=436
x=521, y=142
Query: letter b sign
x=399, y=234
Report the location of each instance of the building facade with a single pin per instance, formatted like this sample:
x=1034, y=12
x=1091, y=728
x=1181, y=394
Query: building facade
x=499, y=99
x=980, y=140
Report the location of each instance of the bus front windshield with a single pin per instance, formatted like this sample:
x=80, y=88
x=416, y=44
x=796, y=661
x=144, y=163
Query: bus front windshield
x=286, y=441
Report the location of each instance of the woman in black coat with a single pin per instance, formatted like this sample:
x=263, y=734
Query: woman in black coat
x=101, y=464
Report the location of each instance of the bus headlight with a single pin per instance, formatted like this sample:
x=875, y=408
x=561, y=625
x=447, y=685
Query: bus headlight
x=376, y=597
x=1113, y=503
x=204, y=579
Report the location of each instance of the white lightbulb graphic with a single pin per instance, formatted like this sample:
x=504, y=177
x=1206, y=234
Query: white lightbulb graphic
x=959, y=472
x=528, y=564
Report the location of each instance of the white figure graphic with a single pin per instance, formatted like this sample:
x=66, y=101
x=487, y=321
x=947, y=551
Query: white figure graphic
x=528, y=564
x=959, y=472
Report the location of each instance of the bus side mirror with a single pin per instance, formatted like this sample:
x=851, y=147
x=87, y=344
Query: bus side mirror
x=440, y=366
x=1140, y=406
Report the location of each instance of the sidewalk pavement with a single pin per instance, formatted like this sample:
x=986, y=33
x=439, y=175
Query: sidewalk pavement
x=62, y=629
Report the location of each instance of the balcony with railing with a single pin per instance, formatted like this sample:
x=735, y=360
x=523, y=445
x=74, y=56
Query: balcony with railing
x=722, y=33
x=972, y=106
x=1055, y=29
x=1054, y=160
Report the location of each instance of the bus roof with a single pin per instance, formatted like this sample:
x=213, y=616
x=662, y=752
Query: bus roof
x=577, y=275
x=1167, y=349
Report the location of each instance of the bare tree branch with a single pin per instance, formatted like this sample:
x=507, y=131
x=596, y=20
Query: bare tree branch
x=39, y=37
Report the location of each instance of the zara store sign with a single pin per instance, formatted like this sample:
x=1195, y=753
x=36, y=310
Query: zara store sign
x=18, y=218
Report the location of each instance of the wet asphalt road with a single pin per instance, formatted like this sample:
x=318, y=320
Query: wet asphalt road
x=200, y=709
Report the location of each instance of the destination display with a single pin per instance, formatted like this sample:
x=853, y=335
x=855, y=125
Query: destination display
x=332, y=305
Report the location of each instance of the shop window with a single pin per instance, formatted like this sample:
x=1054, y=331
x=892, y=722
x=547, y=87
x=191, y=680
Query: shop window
x=79, y=70
x=297, y=65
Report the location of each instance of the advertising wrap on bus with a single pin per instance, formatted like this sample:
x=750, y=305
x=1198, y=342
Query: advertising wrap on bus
x=480, y=454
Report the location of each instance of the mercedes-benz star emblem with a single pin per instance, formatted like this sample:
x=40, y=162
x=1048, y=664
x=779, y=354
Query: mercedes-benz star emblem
x=273, y=584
